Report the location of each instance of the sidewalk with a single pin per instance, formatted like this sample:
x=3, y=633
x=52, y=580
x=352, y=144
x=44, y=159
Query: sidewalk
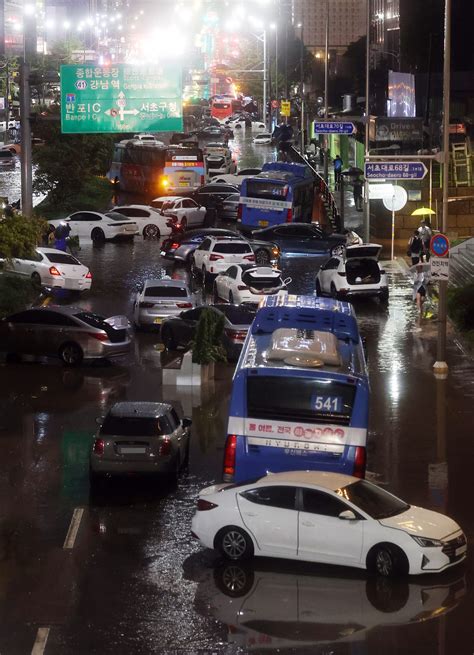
x=353, y=219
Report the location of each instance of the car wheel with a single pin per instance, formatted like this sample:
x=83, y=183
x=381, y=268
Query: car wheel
x=168, y=339
x=36, y=279
x=97, y=235
x=234, y=543
x=387, y=560
x=333, y=290
x=319, y=291
x=71, y=354
x=184, y=223
x=384, y=296
x=151, y=232
x=231, y=298
x=234, y=580
x=215, y=293
x=262, y=258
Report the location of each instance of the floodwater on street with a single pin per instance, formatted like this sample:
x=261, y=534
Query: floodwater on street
x=136, y=582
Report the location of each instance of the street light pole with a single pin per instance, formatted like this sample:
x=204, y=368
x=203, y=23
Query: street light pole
x=441, y=366
x=326, y=92
x=29, y=47
x=264, y=110
x=302, y=118
x=276, y=73
x=367, y=125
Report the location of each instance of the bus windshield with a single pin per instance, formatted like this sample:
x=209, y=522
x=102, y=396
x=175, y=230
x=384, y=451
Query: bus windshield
x=302, y=399
x=265, y=189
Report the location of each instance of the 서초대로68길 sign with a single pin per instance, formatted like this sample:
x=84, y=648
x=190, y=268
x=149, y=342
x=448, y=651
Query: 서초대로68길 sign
x=121, y=98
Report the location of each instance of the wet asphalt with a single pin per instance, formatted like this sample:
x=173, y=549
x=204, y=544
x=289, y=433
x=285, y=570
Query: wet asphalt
x=135, y=581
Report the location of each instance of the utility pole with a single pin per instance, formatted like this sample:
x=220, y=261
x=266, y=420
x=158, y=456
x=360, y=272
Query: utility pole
x=264, y=110
x=29, y=47
x=326, y=92
x=367, y=125
x=441, y=366
x=302, y=117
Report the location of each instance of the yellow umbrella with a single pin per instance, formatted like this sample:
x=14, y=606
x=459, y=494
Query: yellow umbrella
x=423, y=211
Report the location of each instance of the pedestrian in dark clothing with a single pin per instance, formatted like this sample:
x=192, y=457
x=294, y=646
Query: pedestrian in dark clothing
x=357, y=184
x=337, y=163
x=415, y=248
x=321, y=156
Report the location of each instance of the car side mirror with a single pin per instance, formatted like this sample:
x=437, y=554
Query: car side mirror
x=186, y=422
x=348, y=515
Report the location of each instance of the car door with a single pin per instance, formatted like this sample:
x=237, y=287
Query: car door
x=225, y=282
x=78, y=223
x=186, y=326
x=201, y=252
x=326, y=274
x=323, y=536
x=270, y=515
x=90, y=220
x=18, y=333
x=192, y=212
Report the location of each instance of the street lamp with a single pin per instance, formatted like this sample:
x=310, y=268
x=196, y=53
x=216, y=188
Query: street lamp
x=274, y=26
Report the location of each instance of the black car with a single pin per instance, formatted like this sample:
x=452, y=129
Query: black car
x=212, y=195
x=180, y=247
x=300, y=238
x=230, y=207
x=179, y=331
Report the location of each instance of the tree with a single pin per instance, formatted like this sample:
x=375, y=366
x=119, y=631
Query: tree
x=207, y=345
x=19, y=236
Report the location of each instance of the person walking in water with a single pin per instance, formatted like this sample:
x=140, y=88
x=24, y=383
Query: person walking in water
x=337, y=164
x=357, y=185
x=420, y=286
x=415, y=248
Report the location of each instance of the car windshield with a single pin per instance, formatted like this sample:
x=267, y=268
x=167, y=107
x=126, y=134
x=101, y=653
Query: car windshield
x=373, y=500
x=237, y=315
x=61, y=258
x=126, y=426
x=167, y=292
x=115, y=216
x=232, y=248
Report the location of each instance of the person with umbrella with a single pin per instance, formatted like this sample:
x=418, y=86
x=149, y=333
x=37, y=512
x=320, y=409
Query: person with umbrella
x=357, y=182
x=337, y=164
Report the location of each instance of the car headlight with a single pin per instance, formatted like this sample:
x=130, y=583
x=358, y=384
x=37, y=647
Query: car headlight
x=427, y=543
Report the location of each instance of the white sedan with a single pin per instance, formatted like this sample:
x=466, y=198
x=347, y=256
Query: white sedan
x=188, y=212
x=52, y=268
x=151, y=223
x=329, y=518
x=248, y=283
x=98, y=226
x=264, y=138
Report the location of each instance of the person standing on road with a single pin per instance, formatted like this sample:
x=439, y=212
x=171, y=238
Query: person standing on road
x=337, y=164
x=415, y=248
x=420, y=286
x=425, y=233
x=357, y=184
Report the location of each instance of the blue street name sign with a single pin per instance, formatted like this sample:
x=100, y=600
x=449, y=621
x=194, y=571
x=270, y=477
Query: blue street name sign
x=395, y=170
x=330, y=127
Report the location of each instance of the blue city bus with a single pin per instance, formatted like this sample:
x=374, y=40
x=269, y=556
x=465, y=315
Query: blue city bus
x=300, y=394
x=282, y=193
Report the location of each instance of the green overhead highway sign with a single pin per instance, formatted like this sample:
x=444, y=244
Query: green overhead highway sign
x=121, y=98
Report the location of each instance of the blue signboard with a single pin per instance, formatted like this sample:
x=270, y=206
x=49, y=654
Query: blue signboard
x=439, y=245
x=331, y=127
x=395, y=170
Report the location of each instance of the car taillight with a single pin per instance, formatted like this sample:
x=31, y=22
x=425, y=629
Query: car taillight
x=89, y=275
x=289, y=215
x=250, y=258
x=184, y=305
x=99, y=447
x=165, y=448
x=236, y=335
x=242, y=287
x=203, y=181
x=146, y=305
x=214, y=258
x=54, y=271
x=229, y=457
x=205, y=505
x=239, y=211
x=100, y=336
x=174, y=246
x=359, y=462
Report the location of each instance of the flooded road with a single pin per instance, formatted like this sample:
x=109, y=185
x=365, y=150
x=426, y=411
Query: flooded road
x=134, y=581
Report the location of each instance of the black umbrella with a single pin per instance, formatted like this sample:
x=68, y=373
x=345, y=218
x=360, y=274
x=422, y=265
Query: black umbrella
x=353, y=171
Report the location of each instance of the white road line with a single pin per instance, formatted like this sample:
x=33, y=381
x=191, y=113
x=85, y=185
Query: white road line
x=40, y=641
x=73, y=528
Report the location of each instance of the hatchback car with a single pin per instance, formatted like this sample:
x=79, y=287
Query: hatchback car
x=140, y=437
x=151, y=223
x=98, y=226
x=179, y=331
x=180, y=247
x=158, y=299
x=53, y=268
x=354, y=273
x=248, y=283
x=329, y=518
x=70, y=333
x=216, y=254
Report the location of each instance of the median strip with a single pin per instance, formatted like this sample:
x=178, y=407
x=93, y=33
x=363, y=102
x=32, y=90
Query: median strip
x=40, y=641
x=73, y=528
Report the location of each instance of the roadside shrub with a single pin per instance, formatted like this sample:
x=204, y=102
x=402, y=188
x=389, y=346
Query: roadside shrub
x=207, y=346
x=461, y=306
x=19, y=236
x=16, y=294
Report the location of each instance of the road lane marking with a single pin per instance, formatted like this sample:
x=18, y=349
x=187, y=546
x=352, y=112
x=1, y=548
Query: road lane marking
x=73, y=528
x=40, y=641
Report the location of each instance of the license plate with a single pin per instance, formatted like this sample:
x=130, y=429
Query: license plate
x=158, y=321
x=263, y=223
x=182, y=184
x=132, y=450
x=308, y=446
x=460, y=551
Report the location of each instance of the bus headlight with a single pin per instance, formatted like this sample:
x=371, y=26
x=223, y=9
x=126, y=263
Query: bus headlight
x=164, y=182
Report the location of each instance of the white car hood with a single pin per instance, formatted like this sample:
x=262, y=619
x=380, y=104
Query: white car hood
x=423, y=523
